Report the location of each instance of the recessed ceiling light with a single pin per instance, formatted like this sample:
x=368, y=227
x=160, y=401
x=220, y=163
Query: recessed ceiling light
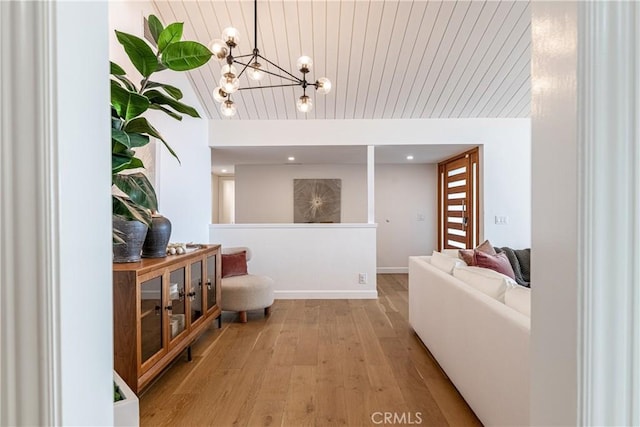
x=291, y=158
x=409, y=157
x=224, y=171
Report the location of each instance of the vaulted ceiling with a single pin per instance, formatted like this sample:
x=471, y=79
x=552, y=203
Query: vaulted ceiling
x=386, y=59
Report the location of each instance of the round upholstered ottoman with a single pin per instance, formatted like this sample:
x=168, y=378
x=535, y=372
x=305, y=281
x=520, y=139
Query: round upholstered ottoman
x=248, y=292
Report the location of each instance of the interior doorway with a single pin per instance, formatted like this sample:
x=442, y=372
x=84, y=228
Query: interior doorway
x=458, y=201
x=226, y=200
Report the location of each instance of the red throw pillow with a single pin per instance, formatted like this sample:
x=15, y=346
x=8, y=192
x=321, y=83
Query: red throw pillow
x=234, y=264
x=499, y=263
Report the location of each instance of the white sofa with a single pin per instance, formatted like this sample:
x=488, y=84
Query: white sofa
x=481, y=343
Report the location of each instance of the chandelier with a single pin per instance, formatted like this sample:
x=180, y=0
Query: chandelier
x=250, y=65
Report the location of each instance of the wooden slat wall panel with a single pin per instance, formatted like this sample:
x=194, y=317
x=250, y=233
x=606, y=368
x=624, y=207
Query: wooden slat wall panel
x=386, y=59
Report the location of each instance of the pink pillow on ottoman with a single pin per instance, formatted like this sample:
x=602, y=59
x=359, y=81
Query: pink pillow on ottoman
x=499, y=263
x=234, y=264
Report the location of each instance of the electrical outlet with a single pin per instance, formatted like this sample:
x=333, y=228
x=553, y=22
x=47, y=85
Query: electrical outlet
x=362, y=278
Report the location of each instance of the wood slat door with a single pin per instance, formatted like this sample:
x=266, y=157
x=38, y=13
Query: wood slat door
x=458, y=199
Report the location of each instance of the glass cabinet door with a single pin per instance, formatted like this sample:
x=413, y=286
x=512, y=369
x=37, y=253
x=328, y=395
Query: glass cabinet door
x=211, y=282
x=151, y=318
x=195, y=292
x=177, y=320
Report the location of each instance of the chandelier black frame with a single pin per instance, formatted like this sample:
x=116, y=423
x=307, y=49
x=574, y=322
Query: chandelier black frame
x=229, y=83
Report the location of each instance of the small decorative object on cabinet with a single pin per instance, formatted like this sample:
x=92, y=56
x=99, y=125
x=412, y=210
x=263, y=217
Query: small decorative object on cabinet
x=160, y=306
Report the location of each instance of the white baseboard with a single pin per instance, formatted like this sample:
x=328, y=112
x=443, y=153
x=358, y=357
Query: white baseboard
x=325, y=294
x=393, y=270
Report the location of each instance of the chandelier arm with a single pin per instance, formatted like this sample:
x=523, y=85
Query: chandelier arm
x=297, y=81
x=280, y=68
x=268, y=87
x=244, y=56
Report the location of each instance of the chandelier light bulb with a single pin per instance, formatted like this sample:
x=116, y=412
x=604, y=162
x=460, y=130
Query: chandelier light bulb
x=323, y=85
x=219, y=49
x=255, y=71
x=304, y=64
x=219, y=95
x=228, y=69
x=228, y=108
x=231, y=36
x=229, y=83
x=304, y=104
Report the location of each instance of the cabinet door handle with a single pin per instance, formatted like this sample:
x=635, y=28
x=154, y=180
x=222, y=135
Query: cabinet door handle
x=158, y=310
x=192, y=295
x=209, y=284
x=168, y=308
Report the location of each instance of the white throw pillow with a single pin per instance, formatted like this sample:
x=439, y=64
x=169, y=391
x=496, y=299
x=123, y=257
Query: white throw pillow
x=453, y=253
x=487, y=281
x=444, y=262
x=519, y=298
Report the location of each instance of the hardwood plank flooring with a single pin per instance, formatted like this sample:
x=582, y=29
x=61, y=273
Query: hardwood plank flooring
x=310, y=363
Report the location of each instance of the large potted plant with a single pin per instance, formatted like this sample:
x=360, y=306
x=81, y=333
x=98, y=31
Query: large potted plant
x=136, y=199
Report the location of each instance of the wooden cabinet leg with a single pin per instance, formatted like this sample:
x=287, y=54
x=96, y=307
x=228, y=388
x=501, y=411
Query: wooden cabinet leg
x=267, y=311
x=220, y=321
x=189, y=358
x=243, y=316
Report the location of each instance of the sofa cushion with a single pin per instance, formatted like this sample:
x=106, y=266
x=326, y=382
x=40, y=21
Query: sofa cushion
x=468, y=255
x=487, y=281
x=498, y=262
x=520, y=260
x=519, y=298
x=453, y=253
x=444, y=262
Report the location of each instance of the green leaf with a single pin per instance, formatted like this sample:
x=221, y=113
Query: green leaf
x=121, y=162
x=173, y=91
x=116, y=70
x=171, y=34
x=127, y=83
x=156, y=97
x=129, y=140
x=183, y=56
x=126, y=209
x=128, y=104
x=139, y=53
x=161, y=66
x=141, y=125
x=166, y=110
x=138, y=188
x=155, y=26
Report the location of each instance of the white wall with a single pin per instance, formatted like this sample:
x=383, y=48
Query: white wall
x=84, y=177
x=264, y=193
x=308, y=261
x=56, y=338
x=506, y=155
x=554, y=316
x=184, y=191
x=406, y=212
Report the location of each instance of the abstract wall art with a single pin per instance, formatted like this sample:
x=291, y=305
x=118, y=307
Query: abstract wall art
x=316, y=200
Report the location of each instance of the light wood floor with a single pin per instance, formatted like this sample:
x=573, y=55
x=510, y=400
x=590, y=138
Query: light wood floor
x=313, y=362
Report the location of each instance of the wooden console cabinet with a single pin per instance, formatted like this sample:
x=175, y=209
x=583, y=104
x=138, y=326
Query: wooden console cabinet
x=160, y=306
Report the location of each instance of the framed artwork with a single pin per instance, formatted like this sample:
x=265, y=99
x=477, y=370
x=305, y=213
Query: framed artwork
x=316, y=200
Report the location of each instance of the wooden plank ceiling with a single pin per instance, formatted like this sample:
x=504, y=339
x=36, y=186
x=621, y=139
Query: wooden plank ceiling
x=386, y=59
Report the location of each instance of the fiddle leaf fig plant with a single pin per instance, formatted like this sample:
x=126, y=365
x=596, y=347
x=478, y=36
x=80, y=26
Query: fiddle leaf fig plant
x=129, y=101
